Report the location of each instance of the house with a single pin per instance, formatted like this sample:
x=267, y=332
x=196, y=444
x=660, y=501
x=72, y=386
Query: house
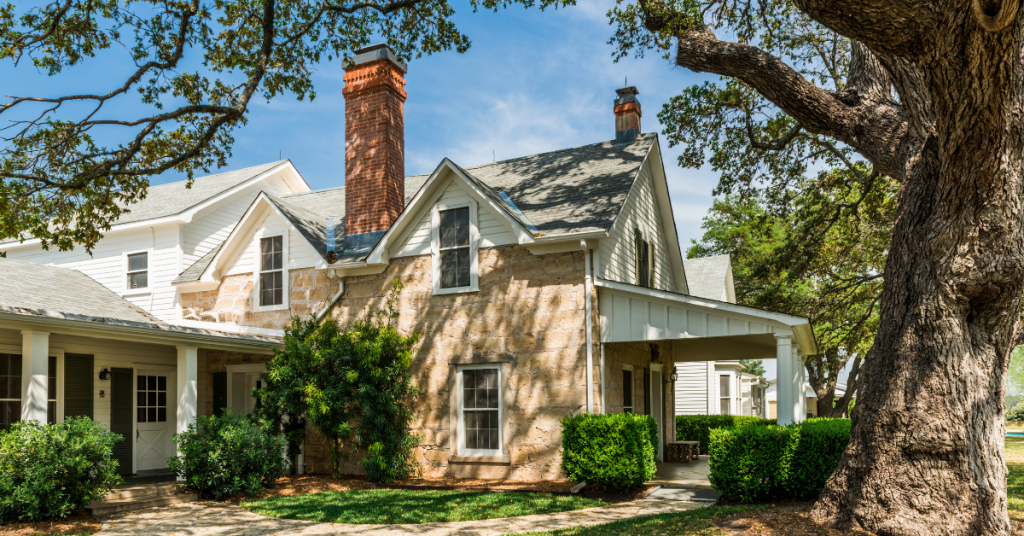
x=810, y=398
x=716, y=387
x=544, y=285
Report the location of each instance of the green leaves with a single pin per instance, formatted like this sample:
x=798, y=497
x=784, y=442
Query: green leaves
x=54, y=470
x=615, y=450
x=698, y=427
x=353, y=385
x=227, y=455
x=68, y=172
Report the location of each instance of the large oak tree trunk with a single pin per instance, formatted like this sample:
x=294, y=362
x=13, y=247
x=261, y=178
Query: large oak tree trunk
x=926, y=452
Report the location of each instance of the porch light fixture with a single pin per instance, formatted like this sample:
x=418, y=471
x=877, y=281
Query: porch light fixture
x=673, y=376
x=105, y=374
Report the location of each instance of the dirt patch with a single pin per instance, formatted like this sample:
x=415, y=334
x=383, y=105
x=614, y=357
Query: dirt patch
x=72, y=525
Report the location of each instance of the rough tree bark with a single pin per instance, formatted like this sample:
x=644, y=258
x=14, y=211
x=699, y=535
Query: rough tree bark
x=926, y=452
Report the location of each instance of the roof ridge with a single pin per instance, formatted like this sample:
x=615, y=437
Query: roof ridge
x=566, y=149
x=321, y=190
x=217, y=174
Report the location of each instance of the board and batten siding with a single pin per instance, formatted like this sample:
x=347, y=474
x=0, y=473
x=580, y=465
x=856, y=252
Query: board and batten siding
x=617, y=254
x=494, y=230
x=212, y=225
x=692, y=388
x=300, y=253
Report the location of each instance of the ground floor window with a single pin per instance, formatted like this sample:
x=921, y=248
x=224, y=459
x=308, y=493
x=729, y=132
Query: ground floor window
x=627, y=390
x=51, y=390
x=480, y=410
x=723, y=393
x=10, y=390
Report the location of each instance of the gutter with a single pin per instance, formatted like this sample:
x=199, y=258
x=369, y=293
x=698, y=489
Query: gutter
x=588, y=326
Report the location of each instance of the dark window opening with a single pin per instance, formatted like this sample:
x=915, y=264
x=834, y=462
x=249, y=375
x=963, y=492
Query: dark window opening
x=643, y=261
x=627, y=391
x=10, y=390
x=480, y=409
x=454, y=248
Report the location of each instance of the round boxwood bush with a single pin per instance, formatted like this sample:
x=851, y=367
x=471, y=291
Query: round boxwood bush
x=698, y=427
x=54, y=470
x=229, y=454
x=615, y=451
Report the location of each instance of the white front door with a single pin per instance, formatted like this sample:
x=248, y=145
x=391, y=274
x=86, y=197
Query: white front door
x=155, y=415
x=657, y=406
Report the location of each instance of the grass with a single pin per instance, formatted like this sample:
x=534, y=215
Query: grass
x=396, y=506
x=1014, y=449
x=692, y=523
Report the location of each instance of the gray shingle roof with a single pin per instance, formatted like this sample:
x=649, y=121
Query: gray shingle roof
x=706, y=277
x=581, y=189
x=63, y=293
x=573, y=190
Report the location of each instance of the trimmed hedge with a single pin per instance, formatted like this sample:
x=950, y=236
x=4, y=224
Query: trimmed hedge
x=698, y=427
x=749, y=463
x=54, y=470
x=615, y=451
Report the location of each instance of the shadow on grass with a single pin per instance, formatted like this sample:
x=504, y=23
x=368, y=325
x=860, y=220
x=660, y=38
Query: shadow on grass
x=394, y=506
x=693, y=523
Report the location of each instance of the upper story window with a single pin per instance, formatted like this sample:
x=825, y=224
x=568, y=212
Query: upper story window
x=454, y=237
x=644, y=265
x=271, y=279
x=138, y=271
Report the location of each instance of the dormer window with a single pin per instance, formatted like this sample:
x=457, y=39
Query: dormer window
x=454, y=248
x=271, y=271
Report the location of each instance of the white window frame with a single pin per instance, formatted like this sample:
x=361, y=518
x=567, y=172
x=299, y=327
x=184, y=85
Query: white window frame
x=632, y=403
x=435, y=248
x=463, y=451
x=732, y=396
x=149, y=273
x=256, y=266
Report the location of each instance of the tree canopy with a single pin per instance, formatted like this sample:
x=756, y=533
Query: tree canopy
x=73, y=162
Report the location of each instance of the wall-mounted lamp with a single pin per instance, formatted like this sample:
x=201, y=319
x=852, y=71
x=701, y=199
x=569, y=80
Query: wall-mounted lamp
x=105, y=374
x=673, y=376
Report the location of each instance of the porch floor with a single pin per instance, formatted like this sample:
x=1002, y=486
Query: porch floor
x=683, y=475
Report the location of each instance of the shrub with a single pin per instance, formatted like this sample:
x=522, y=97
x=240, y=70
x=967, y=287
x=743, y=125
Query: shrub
x=228, y=454
x=615, y=451
x=698, y=427
x=753, y=462
x=1016, y=413
x=54, y=470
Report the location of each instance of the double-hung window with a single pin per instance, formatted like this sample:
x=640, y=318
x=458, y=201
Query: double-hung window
x=10, y=390
x=480, y=411
x=627, y=390
x=454, y=248
x=138, y=271
x=724, y=394
x=271, y=291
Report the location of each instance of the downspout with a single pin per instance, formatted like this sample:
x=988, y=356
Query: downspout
x=588, y=325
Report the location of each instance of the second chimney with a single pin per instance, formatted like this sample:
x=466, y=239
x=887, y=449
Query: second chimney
x=627, y=115
x=374, y=139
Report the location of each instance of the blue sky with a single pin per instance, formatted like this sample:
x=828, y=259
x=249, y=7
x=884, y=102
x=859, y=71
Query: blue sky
x=532, y=82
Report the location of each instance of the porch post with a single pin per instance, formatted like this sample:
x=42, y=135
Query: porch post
x=787, y=401
x=801, y=378
x=35, y=353
x=188, y=375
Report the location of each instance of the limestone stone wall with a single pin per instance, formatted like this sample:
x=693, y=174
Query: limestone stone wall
x=529, y=316
x=308, y=291
x=640, y=355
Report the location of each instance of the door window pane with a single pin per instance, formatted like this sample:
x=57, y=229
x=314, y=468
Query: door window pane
x=151, y=399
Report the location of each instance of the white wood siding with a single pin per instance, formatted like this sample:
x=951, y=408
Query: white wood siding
x=211, y=226
x=692, y=388
x=618, y=253
x=494, y=229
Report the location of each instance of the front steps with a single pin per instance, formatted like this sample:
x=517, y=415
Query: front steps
x=137, y=497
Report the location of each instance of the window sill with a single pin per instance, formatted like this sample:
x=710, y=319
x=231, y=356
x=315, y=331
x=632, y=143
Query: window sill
x=459, y=290
x=269, y=308
x=137, y=292
x=505, y=460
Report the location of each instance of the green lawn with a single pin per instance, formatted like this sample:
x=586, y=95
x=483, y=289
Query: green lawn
x=394, y=506
x=692, y=523
x=1015, y=449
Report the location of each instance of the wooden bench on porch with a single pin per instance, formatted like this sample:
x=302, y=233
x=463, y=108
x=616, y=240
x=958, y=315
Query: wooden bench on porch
x=682, y=451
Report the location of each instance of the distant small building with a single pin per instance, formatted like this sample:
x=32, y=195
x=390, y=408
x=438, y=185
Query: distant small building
x=810, y=398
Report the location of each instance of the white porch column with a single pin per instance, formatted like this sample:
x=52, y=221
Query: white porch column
x=35, y=352
x=188, y=375
x=801, y=378
x=787, y=398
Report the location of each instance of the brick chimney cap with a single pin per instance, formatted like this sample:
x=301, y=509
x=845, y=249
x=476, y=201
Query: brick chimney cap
x=376, y=52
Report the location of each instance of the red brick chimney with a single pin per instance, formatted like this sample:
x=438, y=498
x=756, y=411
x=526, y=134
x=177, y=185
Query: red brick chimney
x=374, y=139
x=627, y=115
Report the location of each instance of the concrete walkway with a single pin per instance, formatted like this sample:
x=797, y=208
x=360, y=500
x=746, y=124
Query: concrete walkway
x=692, y=475
x=218, y=519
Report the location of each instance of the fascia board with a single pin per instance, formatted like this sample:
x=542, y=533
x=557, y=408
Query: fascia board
x=229, y=242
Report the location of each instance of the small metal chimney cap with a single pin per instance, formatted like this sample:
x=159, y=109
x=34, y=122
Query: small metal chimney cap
x=627, y=94
x=379, y=51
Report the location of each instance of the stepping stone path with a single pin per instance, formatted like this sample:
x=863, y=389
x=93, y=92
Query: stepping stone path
x=219, y=519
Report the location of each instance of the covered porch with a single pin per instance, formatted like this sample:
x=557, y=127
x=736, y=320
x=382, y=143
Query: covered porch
x=142, y=379
x=672, y=328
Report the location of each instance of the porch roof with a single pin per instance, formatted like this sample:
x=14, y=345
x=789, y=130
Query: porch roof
x=700, y=328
